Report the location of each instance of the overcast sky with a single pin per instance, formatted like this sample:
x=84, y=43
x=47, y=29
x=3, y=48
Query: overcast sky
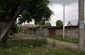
x=71, y=11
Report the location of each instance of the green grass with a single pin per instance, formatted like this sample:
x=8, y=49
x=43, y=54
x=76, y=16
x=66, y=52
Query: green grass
x=42, y=50
x=21, y=49
x=31, y=43
x=67, y=39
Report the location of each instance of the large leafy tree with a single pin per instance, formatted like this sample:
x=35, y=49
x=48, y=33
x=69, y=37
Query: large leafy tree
x=41, y=23
x=59, y=23
x=27, y=9
x=31, y=9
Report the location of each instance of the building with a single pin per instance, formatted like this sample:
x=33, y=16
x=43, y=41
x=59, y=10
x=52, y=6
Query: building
x=69, y=24
x=70, y=31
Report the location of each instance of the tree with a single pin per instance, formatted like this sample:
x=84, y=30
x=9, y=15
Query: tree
x=59, y=23
x=42, y=22
x=47, y=24
x=27, y=9
x=31, y=9
x=14, y=29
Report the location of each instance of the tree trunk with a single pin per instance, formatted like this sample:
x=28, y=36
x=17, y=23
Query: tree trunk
x=14, y=17
x=81, y=25
x=4, y=39
x=41, y=30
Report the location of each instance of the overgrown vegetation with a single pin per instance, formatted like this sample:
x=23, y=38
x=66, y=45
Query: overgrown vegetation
x=36, y=46
x=43, y=50
x=14, y=29
x=67, y=39
x=32, y=42
x=28, y=43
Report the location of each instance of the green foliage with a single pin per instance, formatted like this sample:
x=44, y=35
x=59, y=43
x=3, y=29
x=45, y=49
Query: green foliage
x=31, y=9
x=42, y=22
x=7, y=8
x=14, y=28
x=67, y=39
x=15, y=50
x=59, y=23
x=31, y=42
x=56, y=51
x=47, y=24
x=20, y=48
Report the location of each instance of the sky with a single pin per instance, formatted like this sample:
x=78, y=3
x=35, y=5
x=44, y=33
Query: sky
x=71, y=11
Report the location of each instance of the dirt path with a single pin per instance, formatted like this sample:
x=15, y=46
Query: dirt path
x=66, y=44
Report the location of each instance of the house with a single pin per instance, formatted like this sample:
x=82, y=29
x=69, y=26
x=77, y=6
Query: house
x=27, y=28
x=69, y=24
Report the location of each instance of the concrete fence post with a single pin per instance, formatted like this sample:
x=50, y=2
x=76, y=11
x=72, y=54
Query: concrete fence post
x=81, y=25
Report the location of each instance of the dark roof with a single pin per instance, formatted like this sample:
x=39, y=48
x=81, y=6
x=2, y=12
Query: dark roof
x=54, y=27
x=65, y=27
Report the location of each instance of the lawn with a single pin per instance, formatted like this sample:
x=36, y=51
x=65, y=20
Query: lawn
x=19, y=48
x=42, y=50
x=67, y=39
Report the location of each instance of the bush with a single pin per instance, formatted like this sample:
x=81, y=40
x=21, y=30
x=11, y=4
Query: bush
x=31, y=42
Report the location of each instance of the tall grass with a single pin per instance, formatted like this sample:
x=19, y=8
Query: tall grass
x=28, y=43
x=67, y=39
x=21, y=47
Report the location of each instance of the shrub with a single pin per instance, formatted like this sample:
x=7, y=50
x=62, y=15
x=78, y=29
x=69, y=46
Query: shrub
x=31, y=42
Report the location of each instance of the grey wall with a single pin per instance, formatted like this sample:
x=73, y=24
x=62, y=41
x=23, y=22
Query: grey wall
x=69, y=31
x=45, y=32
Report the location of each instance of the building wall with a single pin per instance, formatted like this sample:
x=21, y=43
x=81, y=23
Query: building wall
x=59, y=31
x=52, y=32
x=71, y=31
x=38, y=31
x=45, y=32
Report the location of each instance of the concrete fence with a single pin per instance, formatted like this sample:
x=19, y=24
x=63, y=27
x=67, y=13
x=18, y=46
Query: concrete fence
x=70, y=31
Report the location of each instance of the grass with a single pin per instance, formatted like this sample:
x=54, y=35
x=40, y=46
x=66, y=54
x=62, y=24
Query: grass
x=28, y=47
x=42, y=50
x=67, y=39
x=27, y=43
x=21, y=47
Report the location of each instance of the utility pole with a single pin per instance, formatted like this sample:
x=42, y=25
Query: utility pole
x=63, y=19
x=81, y=25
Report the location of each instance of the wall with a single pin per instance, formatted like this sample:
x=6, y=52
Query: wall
x=38, y=31
x=70, y=31
x=52, y=32
x=45, y=32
